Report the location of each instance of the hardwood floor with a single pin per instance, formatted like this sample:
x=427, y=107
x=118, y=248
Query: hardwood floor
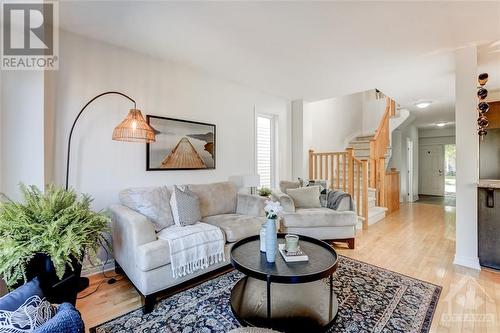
x=417, y=240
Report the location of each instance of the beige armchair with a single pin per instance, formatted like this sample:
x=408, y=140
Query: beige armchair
x=322, y=223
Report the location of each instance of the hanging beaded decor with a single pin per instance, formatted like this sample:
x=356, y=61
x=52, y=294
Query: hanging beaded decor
x=482, y=106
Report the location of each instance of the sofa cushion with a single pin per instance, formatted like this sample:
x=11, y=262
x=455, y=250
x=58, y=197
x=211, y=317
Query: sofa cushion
x=235, y=226
x=285, y=200
x=319, y=217
x=216, y=198
x=153, y=255
x=286, y=184
x=305, y=197
x=251, y=205
x=152, y=202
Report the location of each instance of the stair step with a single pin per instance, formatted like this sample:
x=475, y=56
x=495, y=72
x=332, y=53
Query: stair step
x=358, y=140
x=359, y=145
x=371, y=190
x=362, y=152
x=375, y=214
x=365, y=137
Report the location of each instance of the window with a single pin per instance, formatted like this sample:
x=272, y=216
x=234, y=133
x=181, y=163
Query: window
x=265, y=151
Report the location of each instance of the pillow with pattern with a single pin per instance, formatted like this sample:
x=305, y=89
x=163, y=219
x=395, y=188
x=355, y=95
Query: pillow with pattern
x=185, y=206
x=25, y=309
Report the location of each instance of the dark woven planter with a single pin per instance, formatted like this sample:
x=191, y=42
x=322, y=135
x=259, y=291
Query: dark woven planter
x=56, y=290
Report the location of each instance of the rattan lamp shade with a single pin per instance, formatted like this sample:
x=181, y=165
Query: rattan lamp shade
x=134, y=129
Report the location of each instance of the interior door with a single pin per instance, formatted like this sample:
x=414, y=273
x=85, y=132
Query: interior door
x=409, y=167
x=431, y=170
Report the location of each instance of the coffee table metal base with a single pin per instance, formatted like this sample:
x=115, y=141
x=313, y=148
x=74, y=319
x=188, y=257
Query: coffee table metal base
x=303, y=307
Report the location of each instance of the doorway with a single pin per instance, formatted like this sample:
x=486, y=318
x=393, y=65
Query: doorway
x=409, y=165
x=431, y=170
x=437, y=174
x=450, y=167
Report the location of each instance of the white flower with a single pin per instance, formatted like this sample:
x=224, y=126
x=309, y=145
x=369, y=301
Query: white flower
x=273, y=209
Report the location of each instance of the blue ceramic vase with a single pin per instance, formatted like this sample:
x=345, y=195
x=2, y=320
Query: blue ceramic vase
x=271, y=240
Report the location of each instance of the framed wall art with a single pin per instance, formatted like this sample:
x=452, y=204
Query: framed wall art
x=180, y=145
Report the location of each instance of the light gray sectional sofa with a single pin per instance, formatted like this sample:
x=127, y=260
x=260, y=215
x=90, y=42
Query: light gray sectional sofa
x=145, y=213
x=145, y=258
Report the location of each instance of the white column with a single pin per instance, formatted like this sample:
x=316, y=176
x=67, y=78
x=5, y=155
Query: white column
x=298, y=166
x=467, y=143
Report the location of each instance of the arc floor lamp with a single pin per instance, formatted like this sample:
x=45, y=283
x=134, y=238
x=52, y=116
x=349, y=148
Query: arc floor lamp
x=132, y=129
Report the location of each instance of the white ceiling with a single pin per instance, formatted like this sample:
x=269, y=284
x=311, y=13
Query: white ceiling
x=310, y=50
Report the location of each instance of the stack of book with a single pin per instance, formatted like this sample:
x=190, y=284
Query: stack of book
x=297, y=256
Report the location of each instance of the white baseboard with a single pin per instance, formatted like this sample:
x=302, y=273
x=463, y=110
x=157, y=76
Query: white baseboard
x=469, y=262
x=96, y=269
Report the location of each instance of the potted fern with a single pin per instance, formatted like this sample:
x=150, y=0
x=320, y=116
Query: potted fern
x=47, y=236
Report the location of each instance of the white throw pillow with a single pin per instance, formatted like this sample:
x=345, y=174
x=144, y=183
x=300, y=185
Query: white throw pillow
x=153, y=202
x=305, y=197
x=185, y=206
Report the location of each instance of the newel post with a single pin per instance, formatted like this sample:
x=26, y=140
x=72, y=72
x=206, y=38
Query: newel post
x=381, y=173
x=350, y=173
x=364, y=167
x=311, y=164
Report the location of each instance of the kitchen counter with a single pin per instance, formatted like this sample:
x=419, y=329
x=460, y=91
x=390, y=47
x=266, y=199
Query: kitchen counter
x=489, y=183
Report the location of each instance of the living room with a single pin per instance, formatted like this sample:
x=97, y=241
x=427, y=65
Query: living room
x=311, y=105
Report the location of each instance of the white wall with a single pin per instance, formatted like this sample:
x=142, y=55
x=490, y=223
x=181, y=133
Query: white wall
x=467, y=144
x=299, y=150
x=373, y=110
x=22, y=128
x=331, y=122
x=103, y=167
x=1, y=138
x=493, y=95
x=439, y=136
x=400, y=156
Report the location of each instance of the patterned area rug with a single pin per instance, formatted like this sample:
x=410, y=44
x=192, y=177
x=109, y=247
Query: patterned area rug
x=371, y=299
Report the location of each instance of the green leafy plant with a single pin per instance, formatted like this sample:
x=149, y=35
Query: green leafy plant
x=56, y=222
x=265, y=192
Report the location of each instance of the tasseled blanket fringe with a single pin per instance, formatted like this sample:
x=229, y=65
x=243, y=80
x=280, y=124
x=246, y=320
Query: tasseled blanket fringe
x=198, y=264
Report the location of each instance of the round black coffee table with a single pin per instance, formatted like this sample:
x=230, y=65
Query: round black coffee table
x=299, y=300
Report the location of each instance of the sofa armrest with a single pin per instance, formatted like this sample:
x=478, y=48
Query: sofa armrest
x=152, y=255
x=134, y=227
x=285, y=200
x=345, y=205
x=250, y=205
x=130, y=230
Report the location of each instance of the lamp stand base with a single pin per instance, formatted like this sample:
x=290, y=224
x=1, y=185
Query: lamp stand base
x=83, y=283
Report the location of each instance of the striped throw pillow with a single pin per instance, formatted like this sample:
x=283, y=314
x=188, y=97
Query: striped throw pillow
x=185, y=206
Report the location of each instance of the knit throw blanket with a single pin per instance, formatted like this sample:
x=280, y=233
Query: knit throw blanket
x=334, y=198
x=193, y=247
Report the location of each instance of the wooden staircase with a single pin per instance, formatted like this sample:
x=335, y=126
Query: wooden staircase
x=360, y=170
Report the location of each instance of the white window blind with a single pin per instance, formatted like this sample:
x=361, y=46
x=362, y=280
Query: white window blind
x=265, y=150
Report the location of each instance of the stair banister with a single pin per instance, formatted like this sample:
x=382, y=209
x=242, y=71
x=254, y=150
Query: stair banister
x=378, y=149
x=353, y=177
x=342, y=170
x=350, y=171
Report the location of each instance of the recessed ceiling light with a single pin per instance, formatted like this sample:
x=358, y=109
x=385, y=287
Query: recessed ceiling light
x=441, y=124
x=423, y=104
